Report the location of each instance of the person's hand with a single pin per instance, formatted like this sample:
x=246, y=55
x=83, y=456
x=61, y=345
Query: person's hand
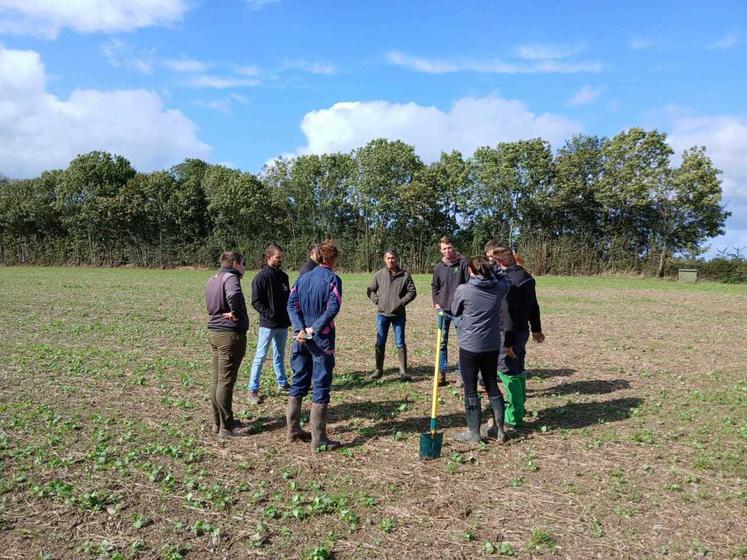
x=510, y=352
x=231, y=317
x=300, y=337
x=538, y=337
x=309, y=332
x=437, y=307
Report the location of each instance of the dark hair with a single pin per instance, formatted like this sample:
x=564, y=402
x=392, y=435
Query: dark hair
x=392, y=252
x=313, y=247
x=328, y=251
x=505, y=254
x=446, y=240
x=227, y=258
x=271, y=249
x=491, y=246
x=480, y=266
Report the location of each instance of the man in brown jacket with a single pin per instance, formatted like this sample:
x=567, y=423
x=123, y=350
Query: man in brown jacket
x=391, y=289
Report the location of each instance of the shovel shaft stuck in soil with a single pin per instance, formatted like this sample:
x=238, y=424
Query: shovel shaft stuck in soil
x=430, y=442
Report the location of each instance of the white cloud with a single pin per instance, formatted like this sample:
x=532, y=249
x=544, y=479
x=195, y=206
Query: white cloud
x=313, y=67
x=122, y=55
x=259, y=4
x=489, y=66
x=41, y=131
x=726, y=42
x=184, y=64
x=221, y=82
x=47, y=17
x=540, y=51
x=585, y=95
x=640, y=43
x=725, y=139
x=223, y=104
x=470, y=123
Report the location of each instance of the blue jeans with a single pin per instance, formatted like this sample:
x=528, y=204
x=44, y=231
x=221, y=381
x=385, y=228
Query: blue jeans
x=448, y=319
x=278, y=338
x=312, y=364
x=382, y=329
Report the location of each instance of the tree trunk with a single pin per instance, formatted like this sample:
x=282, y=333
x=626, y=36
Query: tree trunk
x=662, y=262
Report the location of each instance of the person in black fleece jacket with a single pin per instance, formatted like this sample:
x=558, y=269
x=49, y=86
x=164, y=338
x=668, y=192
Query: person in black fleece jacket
x=270, y=290
x=520, y=315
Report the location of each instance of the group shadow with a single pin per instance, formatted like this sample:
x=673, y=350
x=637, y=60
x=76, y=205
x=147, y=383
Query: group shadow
x=583, y=387
x=548, y=373
x=358, y=379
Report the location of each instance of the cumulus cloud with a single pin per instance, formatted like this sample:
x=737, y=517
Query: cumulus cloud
x=47, y=17
x=40, y=131
x=585, y=95
x=470, y=123
x=490, y=65
x=725, y=139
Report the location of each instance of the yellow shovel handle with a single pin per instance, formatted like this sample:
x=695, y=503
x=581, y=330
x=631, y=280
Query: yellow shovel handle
x=436, y=374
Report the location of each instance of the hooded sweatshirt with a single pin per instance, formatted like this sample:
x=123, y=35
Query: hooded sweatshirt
x=447, y=275
x=478, y=302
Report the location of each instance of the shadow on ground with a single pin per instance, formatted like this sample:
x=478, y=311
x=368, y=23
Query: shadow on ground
x=548, y=373
x=587, y=387
x=580, y=415
x=358, y=379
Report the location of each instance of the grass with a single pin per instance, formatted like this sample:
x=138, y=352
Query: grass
x=635, y=447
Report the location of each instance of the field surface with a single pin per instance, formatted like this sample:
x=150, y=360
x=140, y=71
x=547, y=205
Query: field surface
x=637, y=408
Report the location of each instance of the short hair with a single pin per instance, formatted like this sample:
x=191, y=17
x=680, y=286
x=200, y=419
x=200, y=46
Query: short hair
x=446, y=240
x=481, y=266
x=328, y=251
x=313, y=247
x=227, y=258
x=271, y=249
x=491, y=246
x=392, y=252
x=504, y=253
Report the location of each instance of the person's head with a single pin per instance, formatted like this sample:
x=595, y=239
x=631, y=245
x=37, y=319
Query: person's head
x=490, y=247
x=314, y=252
x=391, y=259
x=274, y=255
x=328, y=253
x=503, y=256
x=233, y=259
x=446, y=247
x=480, y=266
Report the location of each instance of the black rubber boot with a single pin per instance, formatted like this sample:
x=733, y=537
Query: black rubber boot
x=293, y=417
x=402, y=355
x=379, y=371
x=497, y=431
x=318, y=421
x=473, y=412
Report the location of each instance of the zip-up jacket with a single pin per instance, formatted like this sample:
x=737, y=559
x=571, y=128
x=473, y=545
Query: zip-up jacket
x=391, y=292
x=270, y=290
x=446, y=278
x=479, y=302
x=315, y=300
x=521, y=310
x=223, y=294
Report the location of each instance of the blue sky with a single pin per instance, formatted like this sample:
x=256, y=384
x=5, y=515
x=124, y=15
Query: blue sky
x=242, y=81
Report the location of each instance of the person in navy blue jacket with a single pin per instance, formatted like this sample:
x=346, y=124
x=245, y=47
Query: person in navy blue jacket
x=314, y=302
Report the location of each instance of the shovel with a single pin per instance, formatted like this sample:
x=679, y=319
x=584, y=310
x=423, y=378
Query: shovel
x=430, y=442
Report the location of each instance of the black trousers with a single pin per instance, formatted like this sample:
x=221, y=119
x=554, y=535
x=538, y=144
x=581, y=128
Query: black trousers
x=473, y=363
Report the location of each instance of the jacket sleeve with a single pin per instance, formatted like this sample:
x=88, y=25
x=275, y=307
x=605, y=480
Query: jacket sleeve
x=435, y=285
x=411, y=292
x=535, y=324
x=334, y=302
x=234, y=295
x=373, y=290
x=457, y=304
x=294, y=310
x=259, y=296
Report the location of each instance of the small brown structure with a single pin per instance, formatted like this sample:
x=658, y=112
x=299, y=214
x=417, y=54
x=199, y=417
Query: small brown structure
x=687, y=275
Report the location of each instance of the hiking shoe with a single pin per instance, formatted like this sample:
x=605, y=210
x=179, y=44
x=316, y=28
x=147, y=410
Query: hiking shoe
x=236, y=432
x=253, y=398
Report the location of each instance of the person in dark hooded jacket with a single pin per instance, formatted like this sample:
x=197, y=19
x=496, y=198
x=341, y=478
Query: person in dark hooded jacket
x=478, y=304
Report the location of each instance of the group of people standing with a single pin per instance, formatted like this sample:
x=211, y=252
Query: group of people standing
x=490, y=300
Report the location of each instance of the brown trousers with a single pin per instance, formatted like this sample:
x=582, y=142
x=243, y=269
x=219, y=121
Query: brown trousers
x=227, y=349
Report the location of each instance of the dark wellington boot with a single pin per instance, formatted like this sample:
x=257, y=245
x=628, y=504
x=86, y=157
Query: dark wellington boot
x=318, y=421
x=402, y=355
x=293, y=417
x=497, y=431
x=473, y=412
x=379, y=371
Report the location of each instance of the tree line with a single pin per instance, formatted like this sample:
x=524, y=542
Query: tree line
x=594, y=205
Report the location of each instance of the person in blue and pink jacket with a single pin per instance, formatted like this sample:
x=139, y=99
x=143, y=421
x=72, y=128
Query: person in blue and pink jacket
x=313, y=303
